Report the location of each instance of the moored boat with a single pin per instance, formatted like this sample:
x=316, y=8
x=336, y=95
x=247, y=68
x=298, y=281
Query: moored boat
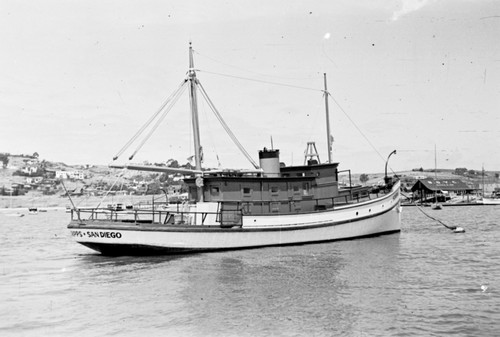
x=17, y=214
x=270, y=205
x=493, y=199
x=436, y=206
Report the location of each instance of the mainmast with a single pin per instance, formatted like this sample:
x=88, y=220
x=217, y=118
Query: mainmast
x=328, y=134
x=193, y=81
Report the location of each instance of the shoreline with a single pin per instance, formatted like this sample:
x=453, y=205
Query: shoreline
x=56, y=202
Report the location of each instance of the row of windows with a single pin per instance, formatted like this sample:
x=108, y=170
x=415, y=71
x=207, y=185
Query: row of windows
x=274, y=190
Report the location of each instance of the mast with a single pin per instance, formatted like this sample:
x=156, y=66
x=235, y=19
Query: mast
x=328, y=135
x=193, y=81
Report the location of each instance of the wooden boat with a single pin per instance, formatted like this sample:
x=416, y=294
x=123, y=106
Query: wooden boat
x=493, y=199
x=271, y=205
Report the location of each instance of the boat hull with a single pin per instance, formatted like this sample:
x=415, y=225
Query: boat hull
x=491, y=201
x=372, y=218
x=110, y=249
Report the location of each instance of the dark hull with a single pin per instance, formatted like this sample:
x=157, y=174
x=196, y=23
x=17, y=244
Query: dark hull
x=108, y=249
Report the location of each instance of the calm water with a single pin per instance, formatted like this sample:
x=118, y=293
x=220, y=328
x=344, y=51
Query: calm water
x=425, y=281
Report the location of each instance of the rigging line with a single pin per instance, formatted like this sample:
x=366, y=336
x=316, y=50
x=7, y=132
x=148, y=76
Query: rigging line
x=250, y=71
x=141, y=130
x=359, y=130
x=107, y=193
x=67, y=193
x=158, y=122
x=430, y=217
x=225, y=126
x=260, y=81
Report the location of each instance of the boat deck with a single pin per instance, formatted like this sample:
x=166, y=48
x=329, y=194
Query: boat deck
x=228, y=214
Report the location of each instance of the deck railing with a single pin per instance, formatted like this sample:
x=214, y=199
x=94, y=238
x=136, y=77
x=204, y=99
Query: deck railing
x=148, y=216
x=229, y=213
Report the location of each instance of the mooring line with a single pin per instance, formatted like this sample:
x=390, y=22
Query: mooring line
x=453, y=228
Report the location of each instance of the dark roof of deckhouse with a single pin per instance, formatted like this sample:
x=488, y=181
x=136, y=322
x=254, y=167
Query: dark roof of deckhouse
x=431, y=184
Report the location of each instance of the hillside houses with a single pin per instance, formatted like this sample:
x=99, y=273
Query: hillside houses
x=30, y=170
x=76, y=174
x=22, y=174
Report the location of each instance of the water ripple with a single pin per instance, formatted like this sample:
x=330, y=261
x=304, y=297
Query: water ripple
x=424, y=281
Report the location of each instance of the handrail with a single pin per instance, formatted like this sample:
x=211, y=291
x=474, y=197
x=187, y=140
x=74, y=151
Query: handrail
x=232, y=216
x=150, y=216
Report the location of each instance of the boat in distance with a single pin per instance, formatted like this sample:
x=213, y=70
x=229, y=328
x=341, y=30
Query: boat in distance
x=493, y=199
x=270, y=205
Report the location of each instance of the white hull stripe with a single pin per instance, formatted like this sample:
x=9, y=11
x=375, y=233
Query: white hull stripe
x=110, y=225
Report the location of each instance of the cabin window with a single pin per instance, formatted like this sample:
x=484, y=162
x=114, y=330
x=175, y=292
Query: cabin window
x=246, y=208
x=275, y=190
x=215, y=191
x=247, y=191
x=305, y=189
x=275, y=207
x=296, y=188
x=193, y=192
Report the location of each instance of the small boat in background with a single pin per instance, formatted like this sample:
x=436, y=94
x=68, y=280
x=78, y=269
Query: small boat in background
x=436, y=206
x=115, y=207
x=493, y=199
x=18, y=215
x=33, y=210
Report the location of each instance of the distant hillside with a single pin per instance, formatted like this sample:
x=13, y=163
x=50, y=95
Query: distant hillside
x=18, y=168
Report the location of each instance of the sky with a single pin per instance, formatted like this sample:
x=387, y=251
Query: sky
x=79, y=78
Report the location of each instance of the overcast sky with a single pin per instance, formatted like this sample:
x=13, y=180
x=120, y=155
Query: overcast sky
x=79, y=78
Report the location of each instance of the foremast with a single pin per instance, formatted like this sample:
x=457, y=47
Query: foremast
x=193, y=82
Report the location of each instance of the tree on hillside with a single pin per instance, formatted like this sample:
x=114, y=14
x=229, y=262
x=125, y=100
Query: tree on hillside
x=363, y=178
x=173, y=163
x=4, y=159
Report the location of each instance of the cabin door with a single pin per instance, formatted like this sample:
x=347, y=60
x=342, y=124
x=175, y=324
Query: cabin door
x=230, y=214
